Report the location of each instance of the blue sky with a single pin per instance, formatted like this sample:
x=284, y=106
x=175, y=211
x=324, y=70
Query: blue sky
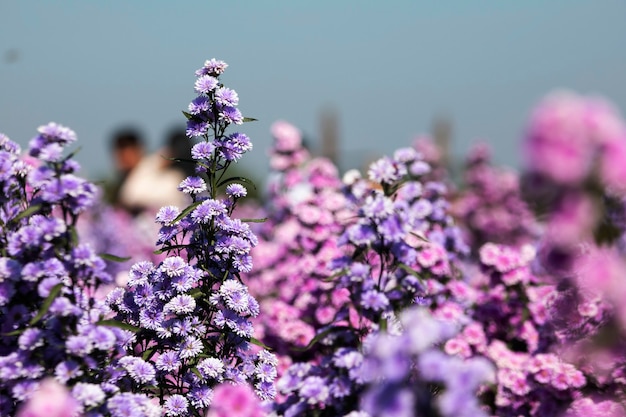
x=387, y=68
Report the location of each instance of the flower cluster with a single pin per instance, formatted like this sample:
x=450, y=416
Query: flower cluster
x=490, y=207
x=403, y=233
x=116, y=232
x=48, y=281
x=580, y=193
x=375, y=301
x=305, y=216
x=408, y=374
x=191, y=313
x=400, y=232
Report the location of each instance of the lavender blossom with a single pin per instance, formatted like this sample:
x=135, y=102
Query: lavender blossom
x=191, y=312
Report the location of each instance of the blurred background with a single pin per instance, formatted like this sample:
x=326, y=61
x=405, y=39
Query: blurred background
x=359, y=78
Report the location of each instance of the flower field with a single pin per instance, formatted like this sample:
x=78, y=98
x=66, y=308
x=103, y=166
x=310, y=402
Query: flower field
x=389, y=292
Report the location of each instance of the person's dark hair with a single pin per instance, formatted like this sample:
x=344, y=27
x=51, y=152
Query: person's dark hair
x=179, y=146
x=127, y=137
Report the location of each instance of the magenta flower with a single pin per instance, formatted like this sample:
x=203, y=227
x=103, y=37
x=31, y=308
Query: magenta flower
x=235, y=401
x=50, y=399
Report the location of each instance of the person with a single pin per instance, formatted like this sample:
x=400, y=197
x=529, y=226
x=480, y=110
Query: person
x=127, y=148
x=153, y=183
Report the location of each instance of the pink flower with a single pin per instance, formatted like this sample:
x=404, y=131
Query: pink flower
x=235, y=401
x=506, y=260
x=514, y=380
x=51, y=399
x=530, y=335
x=516, y=276
x=475, y=335
x=458, y=347
x=612, y=166
x=429, y=256
x=558, y=144
x=573, y=219
x=462, y=291
x=489, y=253
x=325, y=314
x=288, y=137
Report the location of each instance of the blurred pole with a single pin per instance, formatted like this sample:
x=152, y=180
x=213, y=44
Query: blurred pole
x=442, y=134
x=329, y=127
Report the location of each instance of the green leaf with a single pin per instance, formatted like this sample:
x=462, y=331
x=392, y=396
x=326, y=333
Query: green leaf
x=14, y=333
x=196, y=292
x=169, y=248
x=187, y=211
x=195, y=371
x=249, y=119
x=241, y=179
x=257, y=342
x=335, y=275
x=420, y=236
x=73, y=236
x=320, y=336
x=263, y=220
x=189, y=116
x=114, y=258
x=27, y=212
x=147, y=354
x=118, y=324
x=411, y=271
x=54, y=292
x=72, y=154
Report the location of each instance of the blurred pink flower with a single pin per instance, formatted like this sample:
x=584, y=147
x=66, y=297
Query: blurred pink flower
x=51, y=399
x=235, y=401
x=557, y=144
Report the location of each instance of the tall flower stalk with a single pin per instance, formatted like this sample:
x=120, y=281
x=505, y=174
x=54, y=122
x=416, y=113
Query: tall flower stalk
x=192, y=314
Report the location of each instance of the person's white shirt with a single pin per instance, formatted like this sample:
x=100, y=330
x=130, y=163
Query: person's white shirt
x=152, y=185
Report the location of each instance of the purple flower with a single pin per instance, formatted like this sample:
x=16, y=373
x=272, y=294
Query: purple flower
x=173, y=266
x=78, y=345
x=192, y=185
x=30, y=339
x=389, y=401
x=197, y=128
x=52, y=152
x=201, y=397
x=126, y=404
x=265, y=372
x=202, y=150
x=139, y=370
x=235, y=295
x=374, y=300
x=176, y=405
x=200, y=104
x=212, y=368
x=190, y=347
x=378, y=206
x=231, y=115
x=180, y=304
x=209, y=209
x=54, y=132
x=89, y=395
x=385, y=170
x=418, y=168
x=168, y=361
x=236, y=190
x=212, y=67
x=314, y=390
x=205, y=84
x=226, y=96
x=67, y=370
x=166, y=215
